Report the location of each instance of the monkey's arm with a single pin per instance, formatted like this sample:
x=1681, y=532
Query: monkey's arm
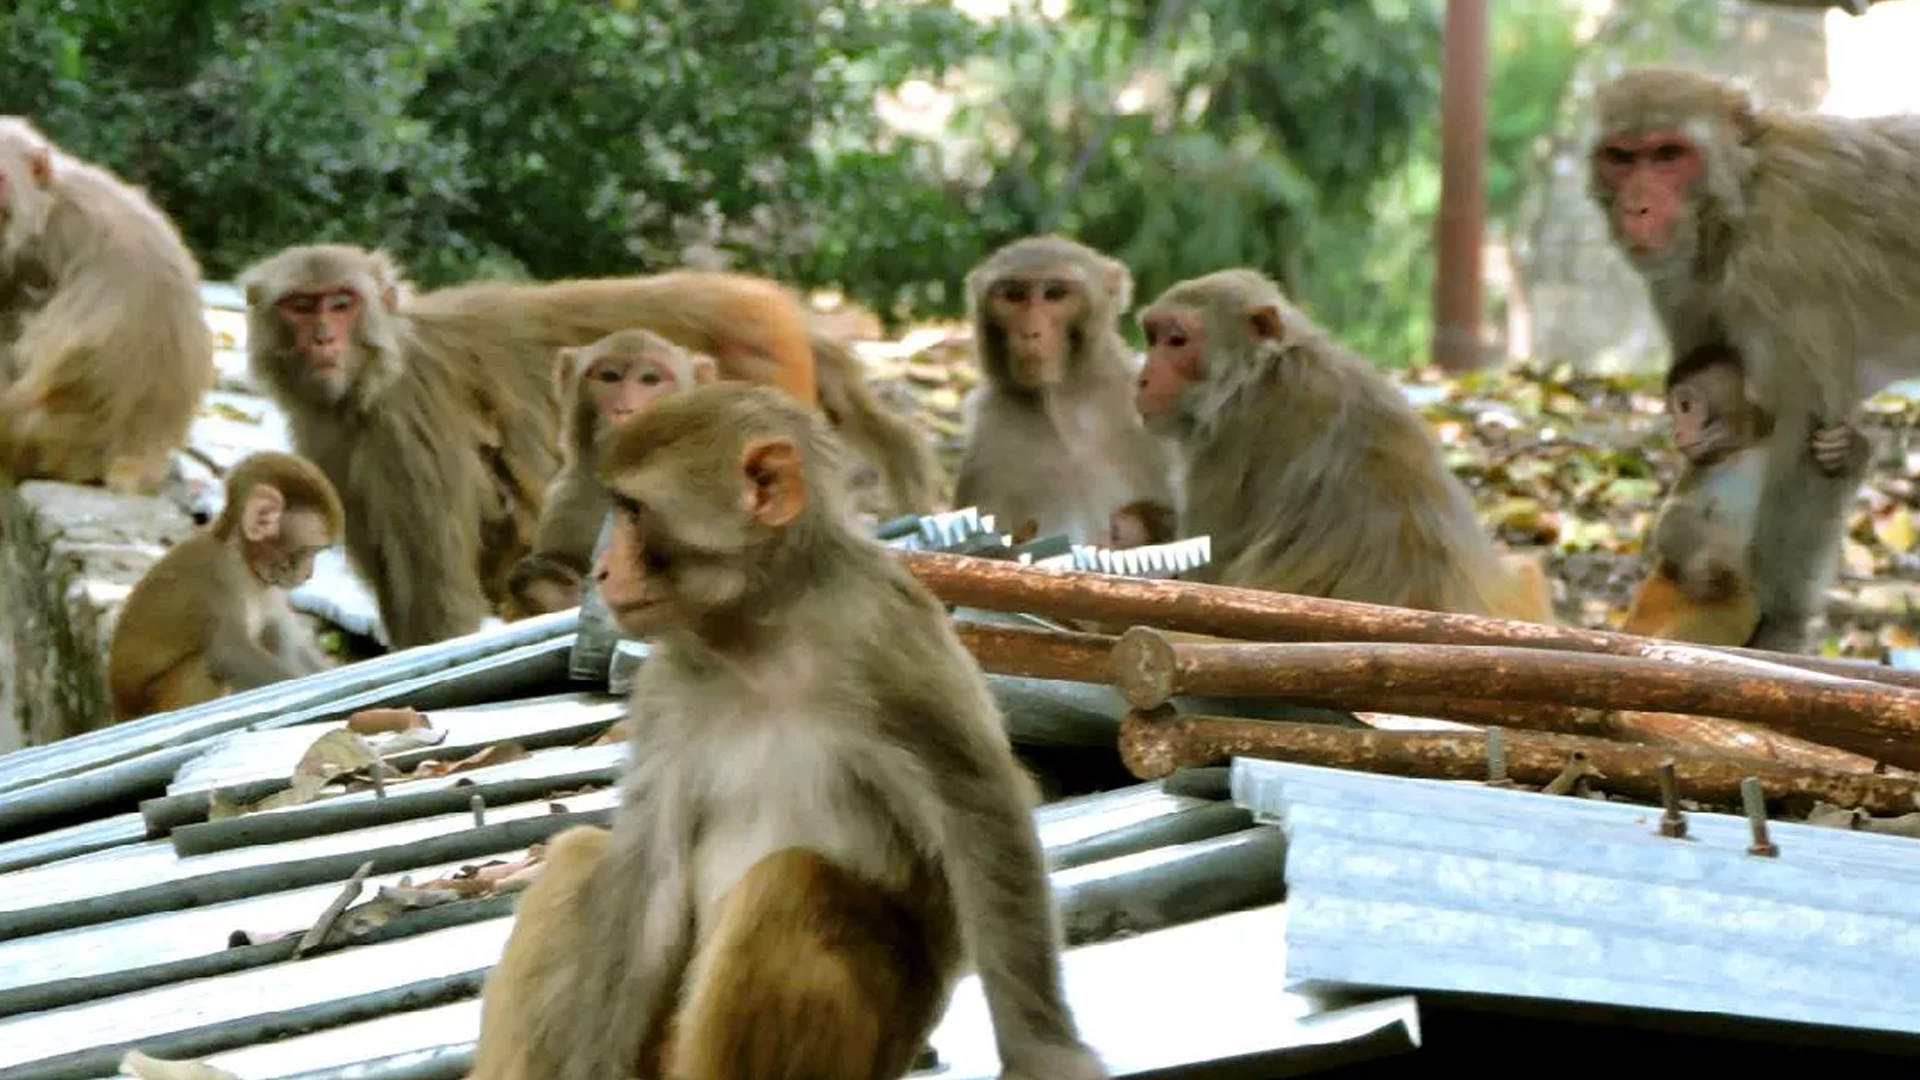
x=236, y=659
x=1000, y=887
x=286, y=638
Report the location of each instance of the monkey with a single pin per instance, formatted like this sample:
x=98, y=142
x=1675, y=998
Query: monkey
x=1700, y=589
x=1312, y=473
x=600, y=385
x=823, y=818
x=1769, y=229
x=542, y=582
x=436, y=415
x=1052, y=444
x=211, y=616
x=891, y=443
x=105, y=351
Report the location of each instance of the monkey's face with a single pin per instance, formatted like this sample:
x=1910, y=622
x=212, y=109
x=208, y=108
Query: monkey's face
x=1038, y=318
x=320, y=323
x=284, y=557
x=1647, y=181
x=1705, y=407
x=694, y=526
x=623, y=385
x=1176, y=340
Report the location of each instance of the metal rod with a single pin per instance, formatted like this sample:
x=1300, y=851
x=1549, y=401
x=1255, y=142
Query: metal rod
x=1755, y=804
x=1672, y=822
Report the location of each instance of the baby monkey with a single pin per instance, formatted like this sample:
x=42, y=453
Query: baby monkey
x=823, y=818
x=601, y=385
x=1701, y=588
x=211, y=616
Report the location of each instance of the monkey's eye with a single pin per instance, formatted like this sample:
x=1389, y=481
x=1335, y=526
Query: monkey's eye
x=654, y=561
x=651, y=377
x=1057, y=291
x=301, y=305
x=607, y=374
x=1617, y=155
x=627, y=508
x=1175, y=340
x=342, y=300
x=1014, y=292
x=1667, y=152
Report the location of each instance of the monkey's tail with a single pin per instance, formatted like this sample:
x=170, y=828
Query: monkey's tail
x=891, y=443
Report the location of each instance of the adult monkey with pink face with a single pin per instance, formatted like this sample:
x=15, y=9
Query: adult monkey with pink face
x=1784, y=235
x=1053, y=444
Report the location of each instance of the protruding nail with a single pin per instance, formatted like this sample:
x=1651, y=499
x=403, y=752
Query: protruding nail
x=479, y=807
x=1755, y=804
x=379, y=771
x=1496, y=758
x=1672, y=822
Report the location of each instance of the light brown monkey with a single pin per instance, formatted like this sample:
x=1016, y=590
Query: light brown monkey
x=1312, y=473
x=211, y=616
x=823, y=817
x=106, y=351
x=600, y=385
x=1053, y=445
x=1700, y=589
x=436, y=414
x=1770, y=230
x=890, y=442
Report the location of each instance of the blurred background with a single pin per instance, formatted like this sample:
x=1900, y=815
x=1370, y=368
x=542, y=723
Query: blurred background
x=874, y=151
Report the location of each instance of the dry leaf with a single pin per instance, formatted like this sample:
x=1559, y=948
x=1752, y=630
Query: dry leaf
x=138, y=1064
x=1895, y=530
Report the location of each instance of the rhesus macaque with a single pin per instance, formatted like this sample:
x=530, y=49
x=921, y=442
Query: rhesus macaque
x=600, y=385
x=542, y=582
x=1791, y=236
x=1310, y=471
x=105, y=350
x=1700, y=589
x=1053, y=445
x=436, y=415
x=890, y=442
x=823, y=818
x=211, y=616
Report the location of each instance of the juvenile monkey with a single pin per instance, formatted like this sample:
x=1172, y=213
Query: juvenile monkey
x=1701, y=586
x=211, y=616
x=1312, y=473
x=1052, y=444
x=600, y=385
x=823, y=818
x=1792, y=236
x=105, y=351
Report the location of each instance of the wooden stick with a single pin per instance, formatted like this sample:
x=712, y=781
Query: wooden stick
x=1257, y=615
x=1037, y=653
x=1149, y=670
x=1154, y=747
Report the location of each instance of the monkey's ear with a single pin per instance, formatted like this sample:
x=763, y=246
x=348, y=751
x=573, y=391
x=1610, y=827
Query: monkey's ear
x=260, y=513
x=40, y=166
x=390, y=296
x=1264, y=321
x=1119, y=282
x=705, y=371
x=776, y=492
x=1742, y=115
x=255, y=294
x=566, y=367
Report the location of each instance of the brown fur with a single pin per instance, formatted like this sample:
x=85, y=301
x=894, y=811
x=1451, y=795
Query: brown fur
x=105, y=352
x=1791, y=236
x=1064, y=453
x=452, y=407
x=200, y=623
x=1312, y=474
x=823, y=815
x=890, y=442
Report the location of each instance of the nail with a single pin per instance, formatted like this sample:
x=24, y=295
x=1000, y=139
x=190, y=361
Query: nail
x=1672, y=822
x=1756, y=807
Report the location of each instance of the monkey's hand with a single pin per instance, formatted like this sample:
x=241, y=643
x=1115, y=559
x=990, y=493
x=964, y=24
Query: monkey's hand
x=1838, y=449
x=1075, y=1061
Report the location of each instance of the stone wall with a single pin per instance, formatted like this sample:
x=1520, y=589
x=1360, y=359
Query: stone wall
x=68, y=557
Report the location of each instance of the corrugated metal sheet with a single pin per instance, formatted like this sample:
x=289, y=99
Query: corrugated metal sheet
x=1426, y=885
